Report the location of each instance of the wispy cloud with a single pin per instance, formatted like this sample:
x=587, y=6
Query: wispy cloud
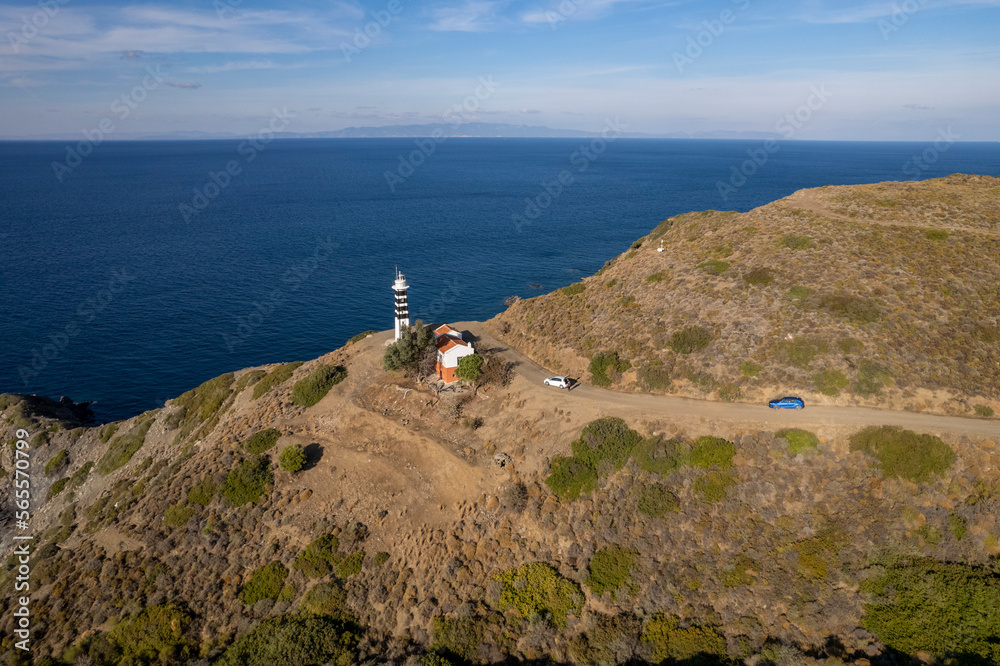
x=183, y=84
x=472, y=16
x=872, y=11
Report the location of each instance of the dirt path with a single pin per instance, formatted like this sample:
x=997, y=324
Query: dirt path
x=810, y=200
x=742, y=415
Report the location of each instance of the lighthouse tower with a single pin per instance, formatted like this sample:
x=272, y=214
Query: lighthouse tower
x=399, y=287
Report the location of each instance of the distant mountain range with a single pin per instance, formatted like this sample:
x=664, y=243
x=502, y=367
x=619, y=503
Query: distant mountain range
x=478, y=130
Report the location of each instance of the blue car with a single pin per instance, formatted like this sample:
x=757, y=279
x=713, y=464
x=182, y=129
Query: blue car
x=787, y=402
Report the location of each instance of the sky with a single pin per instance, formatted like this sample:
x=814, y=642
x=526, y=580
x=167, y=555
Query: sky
x=817, y=70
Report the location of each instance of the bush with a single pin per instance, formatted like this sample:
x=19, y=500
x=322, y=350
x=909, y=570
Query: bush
x=946, y=610
x=248, y=481
x=458, y=637
x=957, y=526
x=107, y=432
x=714, y=267
x=611, y=569
x=202, y=492
x=829, y=382
x=381, y=558
x=730, y=392
x=123, y=447
x=152, y=635
x=359, y=337
x=798, y=292
x=351, y=565
x=325, y=599
x=795, y=242
x=799, y=441
x=292, y=458
x=606, y=366
x=669, y=641
x=277, y=376
x=654, y=378
x=655, y=277
x=319, y=557
x=574, y=289
x=708, y=452
x=871, y=378
x=537, y=590
x=984, y=411
x=690, y=340
x=177, y=515
x=404, y=354
x=749, y=369
x=936, y=234
x=249, y=379
x=760, y=277
x=854, y=309
x=57, y=462
x=714, y=486
x=264, y=583
x=310, y=390
x=294, y=640
x=57, y=487
x=80, y=475
x=800, y=352
x=850, y=345
x=657, y=501
x=570, y=477
x=658, y=456
x=741, y=573
x=262, y=440
x=203, y=402
x=903, y=453
x=470, y=367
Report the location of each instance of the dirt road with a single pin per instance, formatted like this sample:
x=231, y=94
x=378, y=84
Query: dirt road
x=743, y=415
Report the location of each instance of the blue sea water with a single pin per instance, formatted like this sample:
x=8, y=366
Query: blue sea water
x=112, y=294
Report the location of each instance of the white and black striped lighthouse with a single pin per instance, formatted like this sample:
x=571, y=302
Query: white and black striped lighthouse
x=399, y=288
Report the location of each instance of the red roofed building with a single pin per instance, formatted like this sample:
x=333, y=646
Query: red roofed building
x=451, y=348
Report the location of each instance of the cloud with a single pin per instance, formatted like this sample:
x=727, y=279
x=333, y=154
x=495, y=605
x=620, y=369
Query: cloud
x=530, y=111
x=873, y=11
x=232, y=66
x=473, y=16
x=183, y=84
x=132, y=54
x=917, y=107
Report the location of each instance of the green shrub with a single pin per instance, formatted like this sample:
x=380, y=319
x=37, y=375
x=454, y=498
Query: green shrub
x=798, y=292
x=903, y=453
x=569, y=477
x=605, y=367
x=177, y=515
x=741, y=572
x=574, y=289
x=381, y=558
x=152, y=635
x=203, y=402
x=470, y=367
x=537, y=590
x=714, y=267
x=708, y=452
x=830, y=382
x=936, y=234
x=265, y=582
x=637, y=244
x=203, y=492
x=690, y=339
x=871, y=378
x=669, y=641
x=405, y=353
x=654, y=378
x=292, y=458
x=326, y=598
x=57, y=487
x=850, y=345
x=80, y=475
x=248, y=481
x=984, y=411
x=351, y=565
x=957, y=526
x=107, y=431
x=249, y=379
x=749, y=369
x=655, y=277
x=800, y=352
x=795, y=242
x=277, y=376
x=730, y=392
x=760, y=277
x=626, y=300
x=319, y=557
x=657, y=501
x=459, y=637
x=262, y=440
x=799, y=441
x=314, y=387
x=295, y=640
x=359, y=337
x=930, y=534
x=658, y=456
x=946, y=610
x=123, y=447
x=611, y=569
x=57, y=462
x=854, y=309
x=713, y=486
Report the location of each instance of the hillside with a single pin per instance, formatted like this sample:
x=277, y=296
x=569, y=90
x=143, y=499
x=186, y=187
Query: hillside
x=335, y=512
x=885, y=295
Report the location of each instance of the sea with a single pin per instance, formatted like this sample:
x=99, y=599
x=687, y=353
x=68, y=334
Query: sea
x=134, y=271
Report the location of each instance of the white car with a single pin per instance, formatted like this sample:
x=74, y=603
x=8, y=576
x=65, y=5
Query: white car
x=559, y=382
